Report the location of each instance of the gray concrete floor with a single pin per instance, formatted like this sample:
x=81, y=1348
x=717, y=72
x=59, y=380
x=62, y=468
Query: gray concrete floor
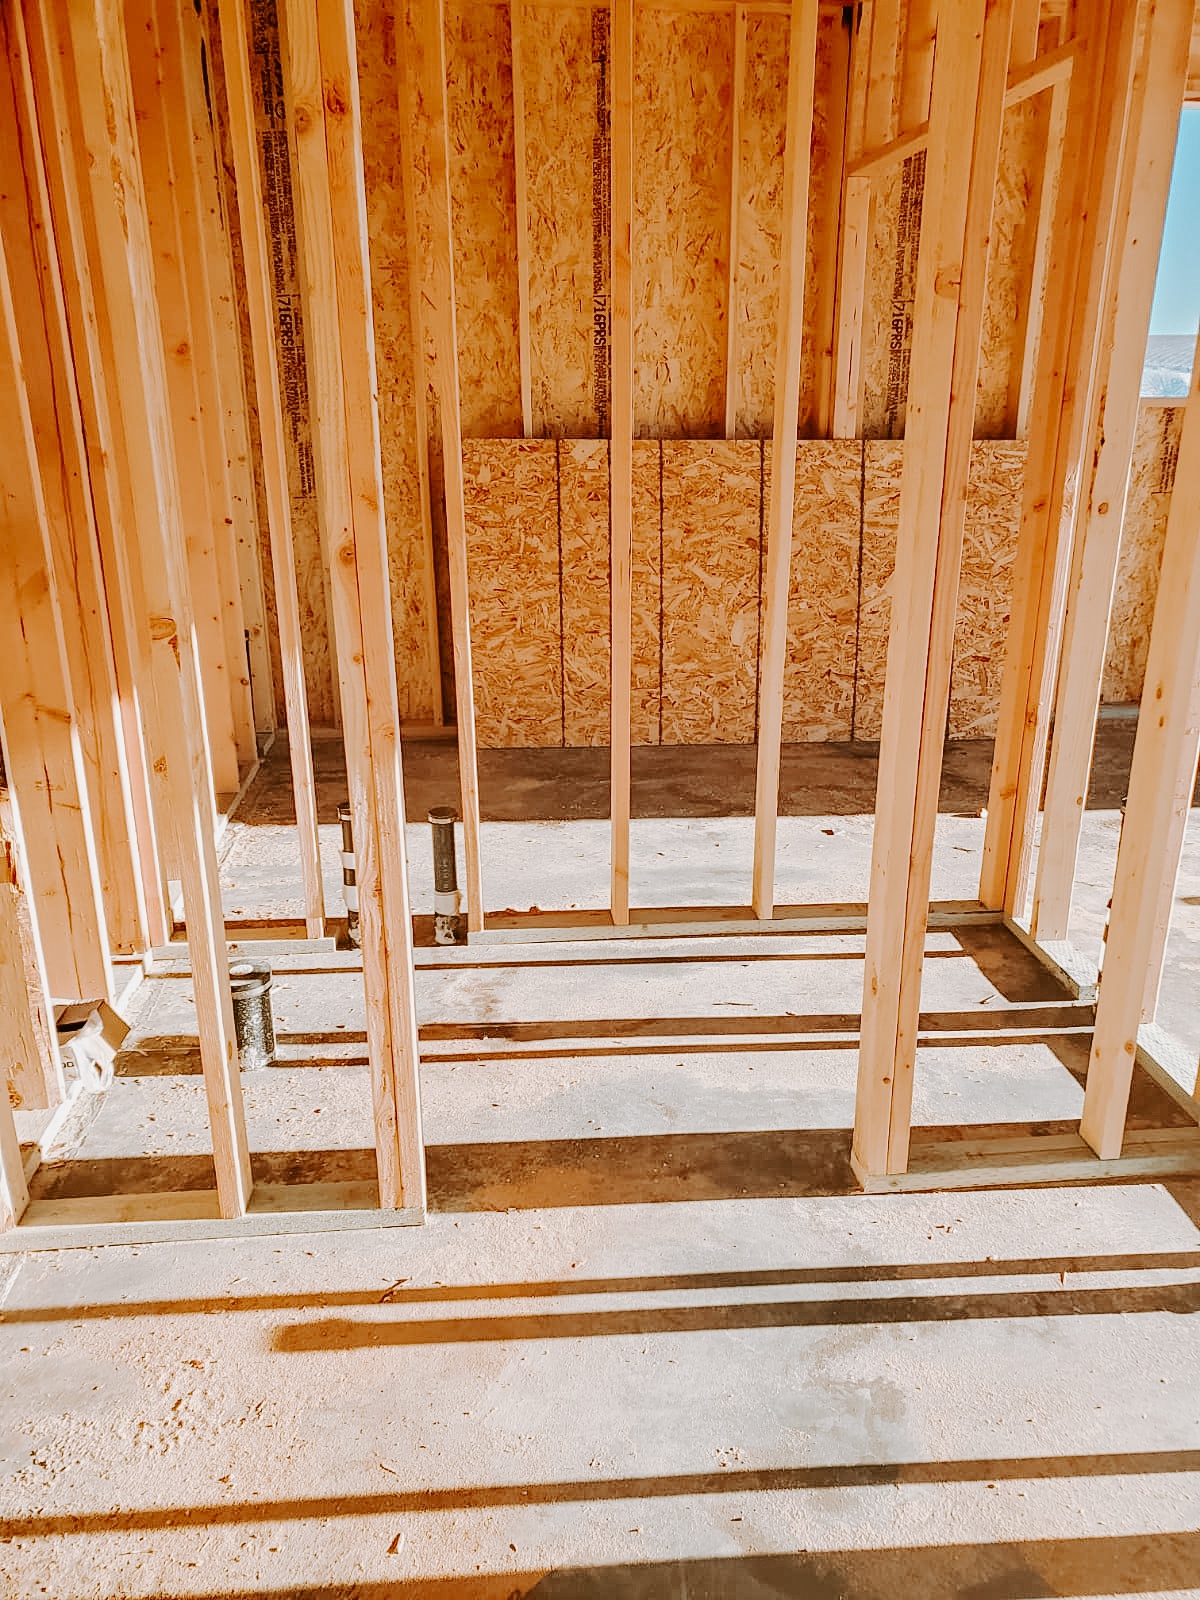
x=652, y=1342
x=545, y=837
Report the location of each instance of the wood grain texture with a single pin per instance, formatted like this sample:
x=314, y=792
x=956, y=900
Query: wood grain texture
x=710, y=582
x=513, y=560
x=1152, y=477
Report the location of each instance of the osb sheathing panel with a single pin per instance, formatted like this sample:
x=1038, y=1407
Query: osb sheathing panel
x=682, y=160
x=882, y=466
x=760, y=201
x=1009, y=269
x=513, y=566
x=275, y=158
x=818, y=683
x=824, y=206
x=990, y=531
x=1155, y=454
x=560, y=78
x=583, y=511
x=483, y=205
x=710, y=590
x=890, y=298
x=985, y=585
x=413, y=619
x=647, y=717
x=583, y=465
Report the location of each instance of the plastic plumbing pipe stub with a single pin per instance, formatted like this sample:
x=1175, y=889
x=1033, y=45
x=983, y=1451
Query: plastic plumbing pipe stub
x=445, y=876
x=349, y=875
x=250, y=984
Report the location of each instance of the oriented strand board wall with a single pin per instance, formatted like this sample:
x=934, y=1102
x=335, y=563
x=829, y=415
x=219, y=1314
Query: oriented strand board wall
x=275, y=157
x=1009, y=269
x=824, y=211
x=1155, y=454
x=562, y=79
x=414, y=610
x=684, y=316
x=760, y=201
x=985, y=586
x=647, y=719
x=515, y=582
x=818, y=683
x=682, y=127
x=583, y=529
x=882, y=466
x=483, y=203
x=711, y=572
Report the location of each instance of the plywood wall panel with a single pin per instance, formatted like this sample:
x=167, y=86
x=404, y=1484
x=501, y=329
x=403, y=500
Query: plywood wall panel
x=513, y=564
x=818, y=683
x=483, y=196
x=414, y=621
x=711, y=537
x=683, y=64
x=993, y=519
x=565, y=90
x=583, y=511
x=1155, y=454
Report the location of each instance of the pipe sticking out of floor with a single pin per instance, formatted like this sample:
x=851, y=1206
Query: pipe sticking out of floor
x=446, y=899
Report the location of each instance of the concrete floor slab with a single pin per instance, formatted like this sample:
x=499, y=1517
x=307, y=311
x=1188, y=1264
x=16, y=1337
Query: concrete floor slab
x=978, y=1394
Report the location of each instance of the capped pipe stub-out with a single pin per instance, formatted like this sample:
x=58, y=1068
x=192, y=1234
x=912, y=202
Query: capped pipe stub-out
x=250, y=985
x=445, y=876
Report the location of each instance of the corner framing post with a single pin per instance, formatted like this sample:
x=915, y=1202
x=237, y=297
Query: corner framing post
x=802, y=62
x=969, y=79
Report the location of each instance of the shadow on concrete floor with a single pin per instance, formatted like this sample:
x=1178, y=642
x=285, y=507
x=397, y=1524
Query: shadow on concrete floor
x=1024, y=1570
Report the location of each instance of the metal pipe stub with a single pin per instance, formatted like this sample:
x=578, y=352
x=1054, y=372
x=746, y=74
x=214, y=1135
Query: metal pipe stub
x=445, y=876
x=349, y=874
x=250, y=985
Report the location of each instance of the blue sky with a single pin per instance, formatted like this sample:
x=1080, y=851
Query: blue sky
x=1177, y=291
